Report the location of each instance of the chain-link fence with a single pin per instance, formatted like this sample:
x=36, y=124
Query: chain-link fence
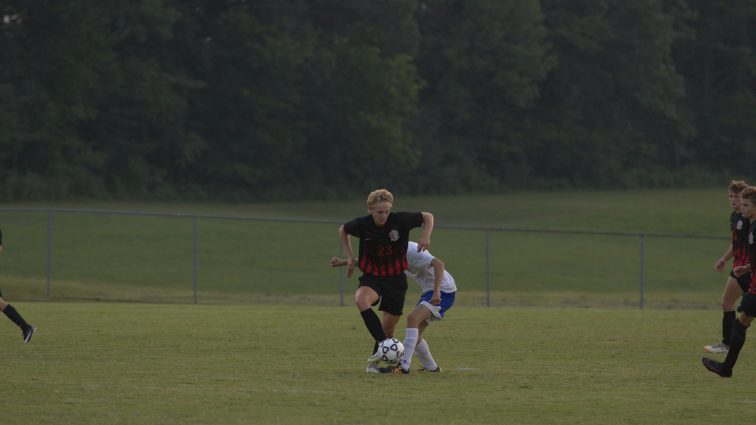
x=89, y=254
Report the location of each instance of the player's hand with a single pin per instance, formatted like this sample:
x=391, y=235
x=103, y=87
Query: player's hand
x=720, y=265
x=740, y=270
x=423, y=244
x=436, y=298
x=350, y=266
x=338, y=262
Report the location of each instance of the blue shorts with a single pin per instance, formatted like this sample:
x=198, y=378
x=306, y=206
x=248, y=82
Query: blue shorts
x=447, y=301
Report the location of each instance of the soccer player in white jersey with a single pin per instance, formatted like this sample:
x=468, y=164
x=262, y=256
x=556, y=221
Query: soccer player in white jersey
x=438, y=292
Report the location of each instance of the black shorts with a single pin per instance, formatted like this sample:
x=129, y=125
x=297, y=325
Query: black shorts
x=748, y=304
x=392, y=290
x=743, y=281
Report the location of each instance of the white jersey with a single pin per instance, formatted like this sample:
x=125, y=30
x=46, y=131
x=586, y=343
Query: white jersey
x=419, y=268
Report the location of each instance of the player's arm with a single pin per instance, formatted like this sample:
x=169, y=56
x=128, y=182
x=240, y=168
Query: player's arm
x=438, y=276
x=424, y=242
x=346, y=245
x=741, y=270
x=720, y=264
x=339, y=262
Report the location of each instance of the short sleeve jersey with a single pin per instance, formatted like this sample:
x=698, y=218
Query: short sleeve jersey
x=383, y=249
x=419, y=268
x=740, y=227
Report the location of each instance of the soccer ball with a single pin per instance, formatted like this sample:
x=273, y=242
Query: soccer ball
x=391, y=351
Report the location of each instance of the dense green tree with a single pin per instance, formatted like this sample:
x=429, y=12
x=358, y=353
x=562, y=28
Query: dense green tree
x=483, y=60
x=611, y=108
x=249, y=104
x=719, y=65
x=237, y=99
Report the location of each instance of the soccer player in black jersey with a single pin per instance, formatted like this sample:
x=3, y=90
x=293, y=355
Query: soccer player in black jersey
x=382, y=259
x=27, y=330
x=747, y=308
x=735, y=286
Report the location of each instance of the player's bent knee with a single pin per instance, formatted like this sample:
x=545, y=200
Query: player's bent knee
x=363, y=302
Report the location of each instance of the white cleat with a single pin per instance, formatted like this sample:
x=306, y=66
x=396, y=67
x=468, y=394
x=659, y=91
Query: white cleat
x=717, y=348
x=375, y=358
x=373, y=368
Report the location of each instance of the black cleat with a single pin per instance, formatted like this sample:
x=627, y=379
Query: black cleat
x=396, y=370
x=716, y=367
x=28, y=333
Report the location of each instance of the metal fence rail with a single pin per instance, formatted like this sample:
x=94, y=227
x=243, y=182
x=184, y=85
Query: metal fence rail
x=484, y=230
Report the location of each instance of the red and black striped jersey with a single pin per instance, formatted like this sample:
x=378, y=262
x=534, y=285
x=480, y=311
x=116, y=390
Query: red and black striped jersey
x=383, y=249
x=740, y=227
x=752, y=258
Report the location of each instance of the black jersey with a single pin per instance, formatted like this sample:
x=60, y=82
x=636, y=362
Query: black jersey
x=740, y=227
x=752, y=258
x=383, y=249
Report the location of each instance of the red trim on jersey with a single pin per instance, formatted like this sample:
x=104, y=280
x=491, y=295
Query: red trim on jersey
x=739, y=252
x=364, y=265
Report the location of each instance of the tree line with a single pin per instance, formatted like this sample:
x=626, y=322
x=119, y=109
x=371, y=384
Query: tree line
x=298, y=99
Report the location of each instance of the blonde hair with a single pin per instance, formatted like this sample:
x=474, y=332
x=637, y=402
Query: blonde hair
x=737, y=185
x=380, y=195
x=749, y=193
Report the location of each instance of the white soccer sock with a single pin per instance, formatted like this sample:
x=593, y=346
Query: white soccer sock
x=410, y=338
x=422, y=351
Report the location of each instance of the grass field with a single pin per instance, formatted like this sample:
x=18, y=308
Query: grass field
x=138, y=258
x=268, y=343
x=106, y=363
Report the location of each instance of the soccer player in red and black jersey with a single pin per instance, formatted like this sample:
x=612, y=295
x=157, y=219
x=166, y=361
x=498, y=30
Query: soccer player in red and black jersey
x=27, y=330
x=382, y=259
x=747, y=308
x=735, y=286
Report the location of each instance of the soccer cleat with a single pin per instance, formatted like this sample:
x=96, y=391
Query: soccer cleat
x=436, y=370
x=396, y=370
x=717, y=348
x=28, y=333
x=716, y=367
x=372, y=368
x=375, y=358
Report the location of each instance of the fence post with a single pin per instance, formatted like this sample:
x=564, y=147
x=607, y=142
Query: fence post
x=642, y=237
x=49, y=255
x=488, y=271
x=194, y=260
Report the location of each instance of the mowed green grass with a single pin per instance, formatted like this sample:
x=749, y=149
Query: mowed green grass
x=120, y=363
x=142, y=258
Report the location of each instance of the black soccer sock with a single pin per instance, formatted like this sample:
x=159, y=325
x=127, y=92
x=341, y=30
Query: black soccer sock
x=727, y=318
x=15, y=317
x=736, y=344
x=373, y=324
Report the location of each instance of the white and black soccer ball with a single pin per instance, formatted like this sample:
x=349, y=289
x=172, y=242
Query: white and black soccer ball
x=391, y=351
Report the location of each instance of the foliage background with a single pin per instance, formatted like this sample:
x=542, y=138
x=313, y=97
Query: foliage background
x=261, y=100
